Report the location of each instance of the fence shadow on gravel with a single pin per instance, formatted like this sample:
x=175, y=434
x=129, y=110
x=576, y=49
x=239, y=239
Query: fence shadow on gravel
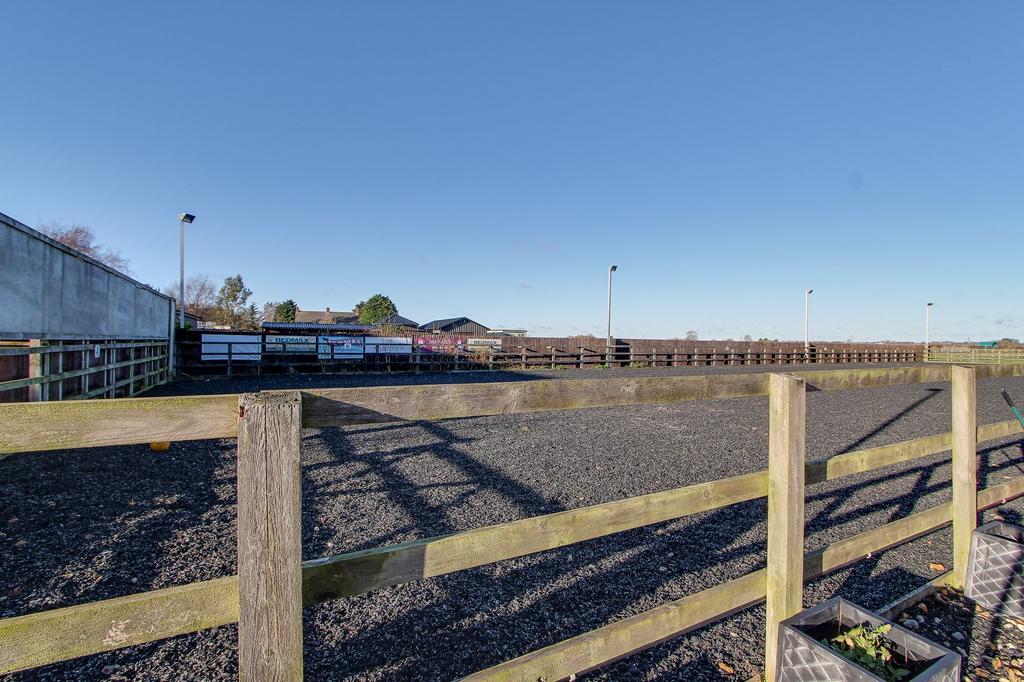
x=694, y=547
x=604, y=566
x=116, y=506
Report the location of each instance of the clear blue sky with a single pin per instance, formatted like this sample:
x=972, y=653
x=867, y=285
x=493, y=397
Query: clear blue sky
x=492, y=159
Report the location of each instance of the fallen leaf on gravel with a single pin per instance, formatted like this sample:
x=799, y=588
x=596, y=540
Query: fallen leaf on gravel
x=996, y=663
x=981, y=672
x=726, y=668
x=936, y=566
x=923, y=607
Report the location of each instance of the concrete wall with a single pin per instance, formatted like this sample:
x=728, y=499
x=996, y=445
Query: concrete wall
x=49, y=291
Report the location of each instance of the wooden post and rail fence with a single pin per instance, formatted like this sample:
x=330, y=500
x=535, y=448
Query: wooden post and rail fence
x=260, y=356
x=75, y=370
x=273, y=585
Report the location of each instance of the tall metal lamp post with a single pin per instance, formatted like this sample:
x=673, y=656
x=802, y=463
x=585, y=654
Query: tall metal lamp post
x=611, y=269
x=807, y=322
x=182, y=219
x=607, y=348
x=927, y=327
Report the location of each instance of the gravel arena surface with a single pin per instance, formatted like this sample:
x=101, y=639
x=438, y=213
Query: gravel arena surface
x=83, y=525
x=993, y=645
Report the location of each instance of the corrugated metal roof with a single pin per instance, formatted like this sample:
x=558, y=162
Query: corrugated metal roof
x=399, y=321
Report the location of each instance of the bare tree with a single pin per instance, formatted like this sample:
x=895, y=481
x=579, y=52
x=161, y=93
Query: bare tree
x=200, y=295
x=81, y=238
x=691, y=335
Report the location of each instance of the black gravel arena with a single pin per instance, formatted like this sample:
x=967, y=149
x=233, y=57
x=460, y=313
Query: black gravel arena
x=90, y=524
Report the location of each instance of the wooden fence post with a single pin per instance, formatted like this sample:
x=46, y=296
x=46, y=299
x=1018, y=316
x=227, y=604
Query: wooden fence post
x=269, y=537
x=965, y=469
x=35, y=369
x=787, y=411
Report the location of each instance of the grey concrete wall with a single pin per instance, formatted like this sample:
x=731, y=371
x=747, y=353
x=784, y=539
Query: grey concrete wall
x=49, y=291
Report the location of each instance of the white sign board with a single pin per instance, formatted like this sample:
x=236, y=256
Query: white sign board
x=492, y=343
x=389, y=345
x=291, y=344
x=243, y=347
x=340, y=347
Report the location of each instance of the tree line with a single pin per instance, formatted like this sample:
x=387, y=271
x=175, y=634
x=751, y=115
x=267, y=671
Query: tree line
x=229, y=305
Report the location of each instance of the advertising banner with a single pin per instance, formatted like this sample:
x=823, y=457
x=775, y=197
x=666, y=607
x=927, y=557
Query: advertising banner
x=291, y=344
x=389, y=345
x=340, y=347
x=440, y=344
x=243, y=347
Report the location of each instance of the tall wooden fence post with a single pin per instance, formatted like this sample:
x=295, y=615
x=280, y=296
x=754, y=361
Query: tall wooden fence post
x=965, y=469
x=269, y=537
x=787, y=400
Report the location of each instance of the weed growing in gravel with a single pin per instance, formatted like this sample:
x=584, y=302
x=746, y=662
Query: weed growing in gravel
x=868, y=648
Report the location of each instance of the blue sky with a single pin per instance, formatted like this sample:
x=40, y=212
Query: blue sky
x=492, y=159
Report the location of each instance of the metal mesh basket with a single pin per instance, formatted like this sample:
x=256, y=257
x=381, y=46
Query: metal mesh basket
x=995, y=572
x=802, y=658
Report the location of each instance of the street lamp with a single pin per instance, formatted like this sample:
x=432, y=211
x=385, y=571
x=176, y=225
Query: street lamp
x=182, y=219
x=807, y=318
x=927, y=327
x=611, y=269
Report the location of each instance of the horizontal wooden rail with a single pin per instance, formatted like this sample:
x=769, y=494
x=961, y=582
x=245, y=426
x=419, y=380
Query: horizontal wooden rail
x=30, y=641
x=71, y=374
x=34, y=427
x=67, y=348
x=59, y=634
x=630, y=635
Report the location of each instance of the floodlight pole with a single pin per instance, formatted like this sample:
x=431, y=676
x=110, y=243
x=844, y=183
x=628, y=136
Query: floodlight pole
x=807, y=320
x=182, y=219
x=927, y=327
x=611, y=269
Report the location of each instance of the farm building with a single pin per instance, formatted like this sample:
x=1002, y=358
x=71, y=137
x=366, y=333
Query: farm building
x=455, y=325
x=327, y=316
x=397, y=320
x=73, y=326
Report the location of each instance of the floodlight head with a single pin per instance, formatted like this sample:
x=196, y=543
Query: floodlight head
x=930, y=305
x=186, y=217
x=810, y=291
x=613, y=268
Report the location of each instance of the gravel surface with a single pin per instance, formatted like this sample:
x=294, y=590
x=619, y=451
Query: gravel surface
x=992, y=645
x=82, y=525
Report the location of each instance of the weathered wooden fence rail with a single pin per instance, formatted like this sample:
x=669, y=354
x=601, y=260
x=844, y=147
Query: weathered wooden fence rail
x=238, y=357
x=271, y=588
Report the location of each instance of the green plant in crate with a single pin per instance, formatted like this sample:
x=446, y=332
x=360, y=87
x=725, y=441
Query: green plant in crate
x=868, y=648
